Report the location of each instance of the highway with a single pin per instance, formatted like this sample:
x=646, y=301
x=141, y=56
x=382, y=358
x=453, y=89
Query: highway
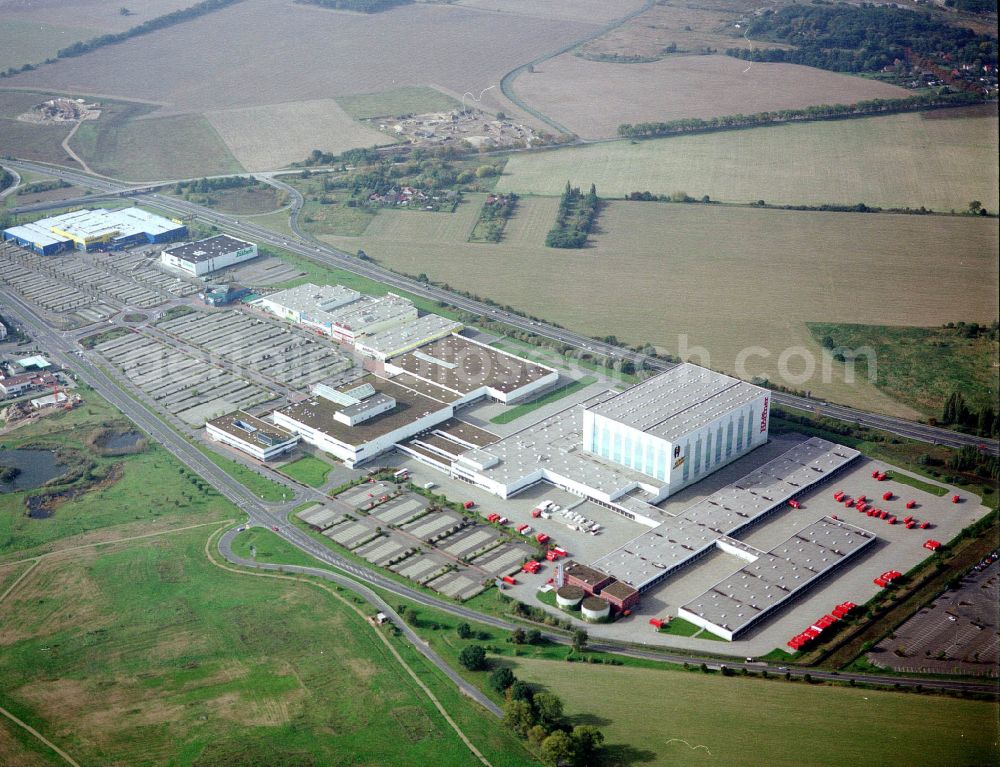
x=62, y=347
x=321, y=253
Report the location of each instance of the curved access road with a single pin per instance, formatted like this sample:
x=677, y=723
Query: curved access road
x=310, y=248
x=470, y=690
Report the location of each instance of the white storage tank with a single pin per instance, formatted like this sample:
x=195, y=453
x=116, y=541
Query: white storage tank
x=595, y=608
x=569, y=596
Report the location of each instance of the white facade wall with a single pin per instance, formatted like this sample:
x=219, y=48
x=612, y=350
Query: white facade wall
x=352, y=455
x=260, y=452
x=687, y=459
x=697, y=620
x=199, y=268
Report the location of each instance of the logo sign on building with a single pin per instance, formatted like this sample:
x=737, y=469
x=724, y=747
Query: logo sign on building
x=763, y=416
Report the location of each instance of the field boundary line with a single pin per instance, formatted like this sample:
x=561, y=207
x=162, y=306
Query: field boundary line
x=395, y=653
x=168, y=531
x=69, y=759
x=20, y=578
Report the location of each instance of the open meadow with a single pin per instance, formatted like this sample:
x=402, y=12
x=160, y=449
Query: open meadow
x=111, y=497
x=283, y=56
x=589, y=11
x=147, y=654
x=31, y=142
x=722, y=278
x=592, y=98
x=413, y=99
x=88, y=16
x=27, y=42
x=940, y=160
x=677, y=719
x=277, y=135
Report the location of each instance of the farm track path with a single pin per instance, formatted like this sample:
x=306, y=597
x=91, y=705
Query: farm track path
x=353, y=587
x=69, y=149
x=24, y=725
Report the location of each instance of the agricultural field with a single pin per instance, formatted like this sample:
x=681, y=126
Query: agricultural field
x=940, y=160
x=396, y=102
x=652, y=276
x=192, y=665
x=690, y=26
x=276, y=135
x=923, y=366
x=87, y=17
x=121, y=145
x=592, y=98
x=590, y=11
x=203, y=66
x=708, y=719
x=25, y=42
x=32, y=142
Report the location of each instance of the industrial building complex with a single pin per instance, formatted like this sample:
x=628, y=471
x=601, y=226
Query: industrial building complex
x=209, y=255
x=98, y=229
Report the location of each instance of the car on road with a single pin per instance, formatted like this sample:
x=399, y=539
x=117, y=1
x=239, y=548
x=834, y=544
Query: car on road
x=275, y=528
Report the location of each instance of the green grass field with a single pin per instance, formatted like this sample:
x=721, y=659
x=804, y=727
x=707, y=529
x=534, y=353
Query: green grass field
x=153, y=491
x=710, y=719
x=122, y=146
x=308, y=470
x=397, y=102
x=192, y=665
x=923, y=366
x=651, y=274
x=339, y=219
x=553, y=396
x=893, y=161
x=262, y=487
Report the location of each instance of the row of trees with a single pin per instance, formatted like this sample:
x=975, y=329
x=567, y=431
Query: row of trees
x=206, y=185
x=538, y=718
x=984, y=421
x=863, y=38
x=362, y=6
x=818, y=112
x=494, y=215
x=160, y=22
x=575, y=219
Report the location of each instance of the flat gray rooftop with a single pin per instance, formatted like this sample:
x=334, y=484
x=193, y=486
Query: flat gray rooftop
x=556, y=444
x=693, y=531
x=205, y=250
x=462, y=365
x=790, y=567
x=388, y=341
x=678, y=401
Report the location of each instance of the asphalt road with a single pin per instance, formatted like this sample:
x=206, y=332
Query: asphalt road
x=328, y=256
x=61, y=348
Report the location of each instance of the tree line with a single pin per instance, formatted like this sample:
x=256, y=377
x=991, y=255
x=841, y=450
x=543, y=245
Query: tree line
x=862, y=38
x=362, y=6
x=160, y=22
x=984, y=421
x=575, y=218
x=819, y=112
x=494, y=215
x=206, y=185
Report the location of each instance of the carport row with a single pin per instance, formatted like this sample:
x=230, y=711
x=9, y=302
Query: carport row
x=442, y=550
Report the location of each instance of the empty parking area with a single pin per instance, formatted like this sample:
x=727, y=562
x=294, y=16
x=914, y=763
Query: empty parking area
x=503, y=560
x=435, y=526
x=351, y=534
x=362, y=496
x=422, y=567
x=384, y=551
x=457, y=585
x=956, y=634
x=321, y=517
x=292, y=357
x=469, y=543
x=190, y=388
x=400, y=511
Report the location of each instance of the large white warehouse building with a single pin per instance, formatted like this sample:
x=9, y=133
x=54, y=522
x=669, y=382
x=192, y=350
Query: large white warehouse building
x=207, y=256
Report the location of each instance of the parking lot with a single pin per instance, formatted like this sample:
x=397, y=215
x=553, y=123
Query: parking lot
x=442, y=549
x=190, y=388
x=955, y=634
x=288, y=356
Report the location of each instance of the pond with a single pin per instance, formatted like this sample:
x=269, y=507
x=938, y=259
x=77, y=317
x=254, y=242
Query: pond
x=36, y=467
x=120, y=440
